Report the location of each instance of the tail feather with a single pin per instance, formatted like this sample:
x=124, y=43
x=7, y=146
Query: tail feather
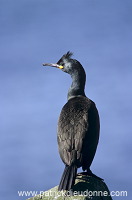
x=68, y=178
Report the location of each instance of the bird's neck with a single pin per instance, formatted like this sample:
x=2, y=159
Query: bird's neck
x=77, y=86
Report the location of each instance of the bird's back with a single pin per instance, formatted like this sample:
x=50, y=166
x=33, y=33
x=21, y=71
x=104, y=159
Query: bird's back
x=78, y=132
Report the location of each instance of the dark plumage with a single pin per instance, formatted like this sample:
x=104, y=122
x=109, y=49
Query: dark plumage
x=78, y=125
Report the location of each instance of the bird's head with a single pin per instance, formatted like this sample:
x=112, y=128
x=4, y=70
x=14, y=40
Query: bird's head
x=67, y=64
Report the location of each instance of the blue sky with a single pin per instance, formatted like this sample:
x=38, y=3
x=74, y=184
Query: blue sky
x=31, y=96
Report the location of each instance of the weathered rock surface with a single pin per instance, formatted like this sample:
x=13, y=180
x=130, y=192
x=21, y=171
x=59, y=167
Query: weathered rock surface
x=85, y=188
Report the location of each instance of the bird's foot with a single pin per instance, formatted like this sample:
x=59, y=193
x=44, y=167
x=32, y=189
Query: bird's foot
x=89, y=173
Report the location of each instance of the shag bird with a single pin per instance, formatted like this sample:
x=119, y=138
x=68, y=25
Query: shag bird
x=78, y=125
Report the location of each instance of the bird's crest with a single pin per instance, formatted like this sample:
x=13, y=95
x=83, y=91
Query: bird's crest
x=65, y=56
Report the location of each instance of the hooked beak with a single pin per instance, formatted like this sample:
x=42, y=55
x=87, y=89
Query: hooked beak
x=53, y=65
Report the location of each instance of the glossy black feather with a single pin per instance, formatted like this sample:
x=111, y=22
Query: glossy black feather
x=78, y=132
x=68, y=177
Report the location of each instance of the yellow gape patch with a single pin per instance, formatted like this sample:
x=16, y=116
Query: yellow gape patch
x=61, y=67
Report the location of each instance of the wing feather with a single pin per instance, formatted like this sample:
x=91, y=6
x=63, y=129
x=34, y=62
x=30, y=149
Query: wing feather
x=72, y=128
